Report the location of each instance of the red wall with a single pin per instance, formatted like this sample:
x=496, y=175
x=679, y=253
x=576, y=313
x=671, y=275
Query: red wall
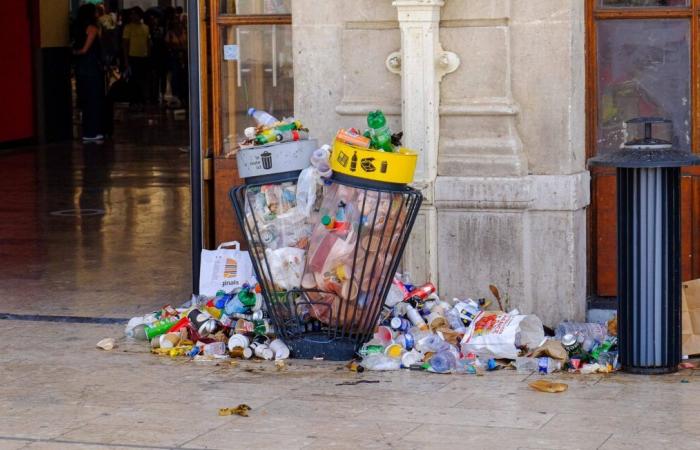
x=16, y=100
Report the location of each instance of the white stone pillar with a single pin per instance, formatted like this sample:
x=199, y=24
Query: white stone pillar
x=422, y=63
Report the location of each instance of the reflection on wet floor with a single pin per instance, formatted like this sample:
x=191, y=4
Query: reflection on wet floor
x=97, y=230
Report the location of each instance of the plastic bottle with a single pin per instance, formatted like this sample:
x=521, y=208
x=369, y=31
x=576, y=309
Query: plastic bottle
x=379, y=132
x=379, y=361
x=524, y=364
x=406, y=280
x=594, y=331
x=467, y=364
x=443, y=362
x=454, y=321
x=431, y=343
x=320, y=159
x=415, y=318
x=396, y=294
x=292, y=135
x=261, y=117
x=234, y=306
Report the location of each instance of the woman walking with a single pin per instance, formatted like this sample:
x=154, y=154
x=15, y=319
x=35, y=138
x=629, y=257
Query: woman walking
x=89, y=73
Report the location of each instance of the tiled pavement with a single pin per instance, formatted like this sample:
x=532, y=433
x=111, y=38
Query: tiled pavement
x=57, y=391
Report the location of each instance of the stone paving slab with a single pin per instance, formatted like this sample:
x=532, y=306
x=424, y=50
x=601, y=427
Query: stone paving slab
x=57, y=391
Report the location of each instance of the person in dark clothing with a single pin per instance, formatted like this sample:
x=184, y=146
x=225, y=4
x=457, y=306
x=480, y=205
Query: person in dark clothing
x=89, y=74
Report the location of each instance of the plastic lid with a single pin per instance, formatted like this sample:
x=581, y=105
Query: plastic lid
x=251, y=111
x=326, y=220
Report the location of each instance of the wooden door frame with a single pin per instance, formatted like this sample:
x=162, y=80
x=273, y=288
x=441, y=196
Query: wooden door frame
x=592, y=15
x=224, y=174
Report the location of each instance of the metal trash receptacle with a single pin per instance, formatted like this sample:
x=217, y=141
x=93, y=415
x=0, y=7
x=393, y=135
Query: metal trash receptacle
x=648, y=249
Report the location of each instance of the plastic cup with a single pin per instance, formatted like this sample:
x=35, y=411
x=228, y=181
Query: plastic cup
x=410, y=358
x=394, y=351
x=384, y=334
x=280, y=349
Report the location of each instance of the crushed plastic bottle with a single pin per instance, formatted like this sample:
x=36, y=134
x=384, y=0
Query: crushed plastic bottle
x=525, y=364
x=594, y=331
x=443, y=362
x=379, y=361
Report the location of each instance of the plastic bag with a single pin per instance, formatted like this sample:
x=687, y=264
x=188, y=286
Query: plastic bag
x=500, y=335
x=307, y=185
x=286, y=266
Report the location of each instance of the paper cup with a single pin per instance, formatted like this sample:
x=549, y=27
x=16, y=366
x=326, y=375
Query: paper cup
x=169, y=340
x=436, y=320
x=280, y=349
x=238, y=341
x=241, y=352
x=262, y=351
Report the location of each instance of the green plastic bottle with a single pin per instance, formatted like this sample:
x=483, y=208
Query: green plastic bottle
x=379, y=132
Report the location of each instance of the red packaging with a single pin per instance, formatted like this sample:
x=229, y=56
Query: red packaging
x=422, y=292
x=180, y=324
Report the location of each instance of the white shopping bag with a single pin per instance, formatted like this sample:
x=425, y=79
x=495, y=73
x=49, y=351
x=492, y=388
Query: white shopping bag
x=224, y=269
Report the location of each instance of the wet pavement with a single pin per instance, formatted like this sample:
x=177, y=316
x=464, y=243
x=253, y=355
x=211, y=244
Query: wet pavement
x=57, y=391
x=97, y=230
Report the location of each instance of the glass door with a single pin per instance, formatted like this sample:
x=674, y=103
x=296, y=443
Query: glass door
x=252, y=67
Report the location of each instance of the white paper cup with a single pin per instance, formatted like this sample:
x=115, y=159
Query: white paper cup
x=280, y=349
x=238, y=341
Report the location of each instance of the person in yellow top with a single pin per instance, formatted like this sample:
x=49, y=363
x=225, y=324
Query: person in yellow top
x=136, y=45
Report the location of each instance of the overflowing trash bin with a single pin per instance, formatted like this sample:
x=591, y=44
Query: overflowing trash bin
x=326, y=253
x=648, y=247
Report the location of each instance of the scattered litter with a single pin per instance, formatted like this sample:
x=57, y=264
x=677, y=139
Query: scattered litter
x=548, y=386
x=240, y=410
x=321, y=249
x=107, y=344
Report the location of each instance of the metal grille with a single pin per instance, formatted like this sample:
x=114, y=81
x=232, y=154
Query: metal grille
x=349, y=266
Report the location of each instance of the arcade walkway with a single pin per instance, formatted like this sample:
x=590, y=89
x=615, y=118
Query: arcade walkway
x=97, y=230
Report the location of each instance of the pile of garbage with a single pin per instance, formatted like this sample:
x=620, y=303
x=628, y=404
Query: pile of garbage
x=270, y=130
x=420, y=331
x=331, y=245
x=229, y=325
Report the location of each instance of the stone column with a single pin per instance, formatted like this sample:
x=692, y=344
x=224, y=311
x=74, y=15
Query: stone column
x=422, y=63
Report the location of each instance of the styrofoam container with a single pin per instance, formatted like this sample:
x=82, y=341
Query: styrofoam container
x=275, y=158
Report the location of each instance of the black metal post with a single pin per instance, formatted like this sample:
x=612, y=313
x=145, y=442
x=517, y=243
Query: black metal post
x=649, y=275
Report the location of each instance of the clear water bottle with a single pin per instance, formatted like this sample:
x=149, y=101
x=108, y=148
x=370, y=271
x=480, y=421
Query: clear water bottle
x=262, y=118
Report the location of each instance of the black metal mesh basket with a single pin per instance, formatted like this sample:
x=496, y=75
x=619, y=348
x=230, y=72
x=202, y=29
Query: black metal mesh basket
x=351, y=246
